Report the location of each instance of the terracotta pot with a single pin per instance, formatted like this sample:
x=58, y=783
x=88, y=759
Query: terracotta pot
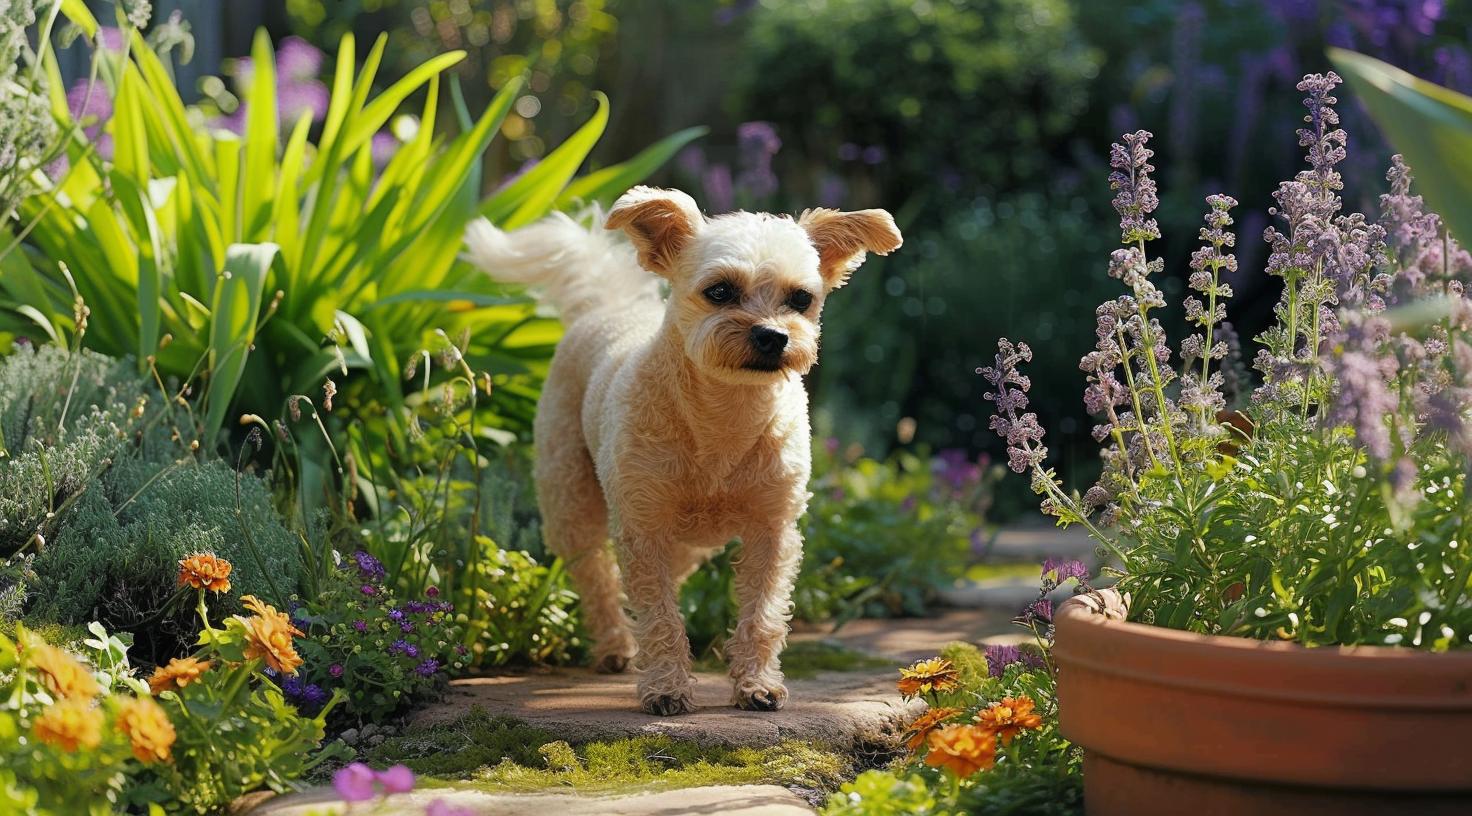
x=1172, y=722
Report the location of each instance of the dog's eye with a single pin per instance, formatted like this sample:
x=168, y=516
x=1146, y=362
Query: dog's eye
x=800, y=300
x=720, y=293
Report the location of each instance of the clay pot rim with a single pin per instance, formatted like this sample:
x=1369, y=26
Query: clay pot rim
x=1328, y=676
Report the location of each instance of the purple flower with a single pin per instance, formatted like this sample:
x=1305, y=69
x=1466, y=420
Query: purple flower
x=396, y=614
x=384, y=145
x=335, y=670
x=757, y=143
x=1061, y=570
x=369, y=590
x=369, y=567
x=1135, y=196
x=1022, y=432
x=427, y=668
x=1041, y=609
x=396, y=779
x=406, y=627
x=314, y=694
x=298, y=59
x=432, y=592
x=354, y=783
x=404, y=647
x=999, y=657
x=360, y=625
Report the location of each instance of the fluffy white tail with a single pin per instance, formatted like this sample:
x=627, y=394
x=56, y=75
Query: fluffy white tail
x=576, y=269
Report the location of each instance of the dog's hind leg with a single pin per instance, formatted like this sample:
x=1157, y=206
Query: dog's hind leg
x=575, y=524
x=764, y=572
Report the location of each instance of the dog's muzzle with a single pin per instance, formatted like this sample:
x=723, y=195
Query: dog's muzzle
x=767, y=345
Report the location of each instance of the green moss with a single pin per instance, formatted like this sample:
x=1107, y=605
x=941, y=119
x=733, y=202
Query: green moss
x=805, y=659
x=499, y=753
x=970, y=663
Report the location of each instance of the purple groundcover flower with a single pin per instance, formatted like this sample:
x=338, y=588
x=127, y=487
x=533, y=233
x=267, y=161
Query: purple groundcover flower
x=360, y=625
x=427, y=668
x=1061, y=570
x=396, y=615
x=405, y=648
x=335, y=670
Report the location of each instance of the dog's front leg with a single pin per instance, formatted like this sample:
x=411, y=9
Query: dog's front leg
x=665, y=687
x=765, y=572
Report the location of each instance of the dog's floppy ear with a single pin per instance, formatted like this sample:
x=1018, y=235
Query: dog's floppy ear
x=660, y=222
x=842, y=238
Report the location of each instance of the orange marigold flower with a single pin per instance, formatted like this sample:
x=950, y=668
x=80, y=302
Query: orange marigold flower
x=179, y=673
x=1009, y=716
x=147, y=728
x=268, y=635
x=63, y=674
x=69, y=725
x=961, y=749
x=924, y=676
x=205, y=571
x=920, y=729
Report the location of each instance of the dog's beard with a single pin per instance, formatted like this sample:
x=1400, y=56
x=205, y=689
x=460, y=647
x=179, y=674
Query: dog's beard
x=723, y=348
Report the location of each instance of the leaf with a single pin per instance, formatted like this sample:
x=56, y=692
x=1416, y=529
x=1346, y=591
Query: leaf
x=76, y=11
x=261, y=126
x=531, y=196
x=1430, y=125
x=233, y=315
x=603, y=186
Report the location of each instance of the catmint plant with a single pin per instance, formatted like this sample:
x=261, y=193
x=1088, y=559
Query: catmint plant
x=1331, y=506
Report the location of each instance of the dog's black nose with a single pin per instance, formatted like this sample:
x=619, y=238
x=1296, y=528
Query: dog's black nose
x=768, y=341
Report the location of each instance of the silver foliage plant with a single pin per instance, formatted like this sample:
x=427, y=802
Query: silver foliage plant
x=1330, y=506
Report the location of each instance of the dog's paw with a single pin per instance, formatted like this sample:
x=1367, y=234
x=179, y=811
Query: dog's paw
x=612, y=664
x=667, y=705
x=758, y=698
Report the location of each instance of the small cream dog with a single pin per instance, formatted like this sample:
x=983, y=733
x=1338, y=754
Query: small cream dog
x=675, y=424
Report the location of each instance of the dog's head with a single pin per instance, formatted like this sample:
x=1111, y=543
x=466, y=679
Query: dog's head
x=746, y=289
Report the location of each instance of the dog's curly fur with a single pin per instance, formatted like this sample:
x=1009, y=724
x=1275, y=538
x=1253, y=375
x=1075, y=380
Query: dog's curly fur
x=672, y=425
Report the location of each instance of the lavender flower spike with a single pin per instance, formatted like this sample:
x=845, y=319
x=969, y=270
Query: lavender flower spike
x=1021, y=430
x=1135, y=196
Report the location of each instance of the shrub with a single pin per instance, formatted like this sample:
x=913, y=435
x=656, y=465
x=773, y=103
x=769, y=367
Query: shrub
x=380, y=653
x=104, y=503
x=90, y=737
x=277, y=262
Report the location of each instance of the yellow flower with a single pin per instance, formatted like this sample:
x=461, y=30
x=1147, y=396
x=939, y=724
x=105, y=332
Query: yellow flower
x=961, y=749
x=1009, y=716
x=147, y=728
x=205, y=571
x=63, y=674
x=179, y=673
x=920, y=729
x=268, y=635
x=69, y=725
x=924, y=676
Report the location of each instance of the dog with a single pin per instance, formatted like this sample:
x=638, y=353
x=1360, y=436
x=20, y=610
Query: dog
x=675, y=423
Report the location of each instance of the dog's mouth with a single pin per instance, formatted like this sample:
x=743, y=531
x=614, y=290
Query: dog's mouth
x=766, y=363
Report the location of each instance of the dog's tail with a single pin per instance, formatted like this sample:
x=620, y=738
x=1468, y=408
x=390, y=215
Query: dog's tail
x=574, y=268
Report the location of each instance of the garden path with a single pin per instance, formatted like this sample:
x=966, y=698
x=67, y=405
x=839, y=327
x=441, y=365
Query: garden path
x=848, y=710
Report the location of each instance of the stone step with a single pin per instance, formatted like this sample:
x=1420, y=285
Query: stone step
x=842, y=710
x=740, y=800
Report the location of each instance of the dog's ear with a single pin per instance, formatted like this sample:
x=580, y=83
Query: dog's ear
x=842, y=238
x=660, y=222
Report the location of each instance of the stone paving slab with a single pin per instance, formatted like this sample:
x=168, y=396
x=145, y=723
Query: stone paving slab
x=1029, y=542
x=840, y=709
x=740, y=800
x=909, y=639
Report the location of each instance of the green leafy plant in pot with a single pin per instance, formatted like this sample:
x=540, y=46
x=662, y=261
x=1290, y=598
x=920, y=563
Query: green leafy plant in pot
x=1290, y=625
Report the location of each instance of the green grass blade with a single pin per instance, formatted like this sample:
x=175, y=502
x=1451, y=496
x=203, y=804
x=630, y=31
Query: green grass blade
x=76, y=11
x=261, y=126
x=532, y=196
x=377, y=112
x=603, y=186
x=233, y=317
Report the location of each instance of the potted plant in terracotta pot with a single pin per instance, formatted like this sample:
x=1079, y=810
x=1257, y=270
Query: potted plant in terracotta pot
x=1291, y=627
